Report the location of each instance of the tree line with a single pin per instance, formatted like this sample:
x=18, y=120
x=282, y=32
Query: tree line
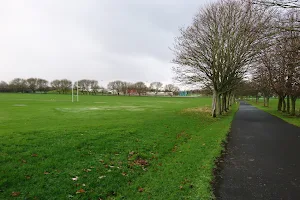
x=85, y=86
x=233, y=40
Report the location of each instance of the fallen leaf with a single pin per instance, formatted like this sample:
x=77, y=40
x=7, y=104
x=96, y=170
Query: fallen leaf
x=80, y=191
x=83, y=185
x=181, y=187
x=75, y=178
x=87, y=170
x=46, y=172
x=101, y=177
x=124, y=174
x=141, y=162
x=141, y=189
x=34, y=155
x=15, y=194
x=24, y=161
x=28, y=177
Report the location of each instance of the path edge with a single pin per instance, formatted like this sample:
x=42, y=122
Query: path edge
x=219, y=162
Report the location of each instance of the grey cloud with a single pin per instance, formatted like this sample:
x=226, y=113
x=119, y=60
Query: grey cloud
x=99, y=39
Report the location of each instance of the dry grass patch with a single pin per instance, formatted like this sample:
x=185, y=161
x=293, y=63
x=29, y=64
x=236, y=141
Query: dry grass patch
x=204, y=109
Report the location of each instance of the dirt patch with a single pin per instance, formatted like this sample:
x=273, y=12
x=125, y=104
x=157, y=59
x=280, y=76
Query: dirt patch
x=87, y=109
x=197, y=110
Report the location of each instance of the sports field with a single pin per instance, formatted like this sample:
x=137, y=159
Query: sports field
x=108, y=147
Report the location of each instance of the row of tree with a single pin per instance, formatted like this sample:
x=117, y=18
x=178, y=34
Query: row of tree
x=232, y=39
x=277, y=69
x=85, y=86
x=34, y=85
x=141, y=88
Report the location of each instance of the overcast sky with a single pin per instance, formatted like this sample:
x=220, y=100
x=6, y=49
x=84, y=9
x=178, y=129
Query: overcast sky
x=93, y=39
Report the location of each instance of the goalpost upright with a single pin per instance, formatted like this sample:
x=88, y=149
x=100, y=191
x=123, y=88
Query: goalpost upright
x=76, y=92
x=72, y=93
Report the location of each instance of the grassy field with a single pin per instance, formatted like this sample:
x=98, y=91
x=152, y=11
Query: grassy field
x=272, y=109
x=108, y=147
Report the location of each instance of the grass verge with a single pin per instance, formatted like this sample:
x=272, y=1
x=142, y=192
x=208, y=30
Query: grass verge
x=272, y=109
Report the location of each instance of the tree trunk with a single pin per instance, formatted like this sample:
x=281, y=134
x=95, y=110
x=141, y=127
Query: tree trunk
x=256, y=101
x=228, y=101
x=264, y=101
x=279, y=107
x=214, y=104
x=293, y=111
x=288, y=107
x=268, y=101
x=225, y=102
x=232, y=99
x=284, y=105
x=219, y=108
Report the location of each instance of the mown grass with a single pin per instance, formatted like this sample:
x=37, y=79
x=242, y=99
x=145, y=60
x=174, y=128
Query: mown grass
x=108, y=147
x=272, y=109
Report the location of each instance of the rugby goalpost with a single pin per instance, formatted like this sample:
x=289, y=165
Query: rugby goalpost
x=77, y=97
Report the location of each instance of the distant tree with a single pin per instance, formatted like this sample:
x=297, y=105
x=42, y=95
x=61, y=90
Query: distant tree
x=131, y=88
x=140, y=88
x=156, y=86
x=94, y=86
x=42, y=85
x=125, y=87
x=32, y=84
x=103, y=90
x=4, y=87
x=56, y=85
x=115, y=86
x=18, y=85
x=84, y=86
x=171, y=89
x=262, y=85
x=65, y=85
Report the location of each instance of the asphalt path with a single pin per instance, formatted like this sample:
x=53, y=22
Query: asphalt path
x=262, y=159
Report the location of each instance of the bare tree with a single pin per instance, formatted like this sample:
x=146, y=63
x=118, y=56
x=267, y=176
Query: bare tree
x=115, y=86
x=171, y=89
x=56, y=85
x=219, y=46
x=94, y=86
x=4, y=87
x=140, y=88
x=42, y=85
x=84, y=86
x=282, y=60
x=65, y=85
x=156, y=86
x=18, y=85
x=279, y=3
x=262, y=85
x=32, y=84
x=124, y=87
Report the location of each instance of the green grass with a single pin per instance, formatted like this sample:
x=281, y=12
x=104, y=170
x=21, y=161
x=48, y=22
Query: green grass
x=272, y=109
x=115, y=147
